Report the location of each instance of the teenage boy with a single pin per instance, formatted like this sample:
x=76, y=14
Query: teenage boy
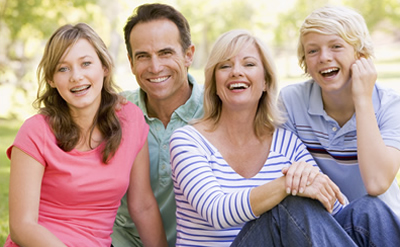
x=349, y=123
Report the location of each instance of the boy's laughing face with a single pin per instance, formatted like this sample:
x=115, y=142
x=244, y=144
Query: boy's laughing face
x=328, y=59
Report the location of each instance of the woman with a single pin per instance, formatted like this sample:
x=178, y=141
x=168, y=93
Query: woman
x=235, y=165
x=72, y=163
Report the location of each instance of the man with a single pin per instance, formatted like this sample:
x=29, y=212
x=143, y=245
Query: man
x=160, y=51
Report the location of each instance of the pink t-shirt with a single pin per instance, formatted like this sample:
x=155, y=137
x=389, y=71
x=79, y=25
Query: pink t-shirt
x=80, y=195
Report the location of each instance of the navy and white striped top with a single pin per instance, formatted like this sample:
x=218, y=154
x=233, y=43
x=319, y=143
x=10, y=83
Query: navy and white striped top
x=213, y=201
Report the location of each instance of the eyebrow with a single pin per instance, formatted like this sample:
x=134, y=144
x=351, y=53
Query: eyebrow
x=80, y=58
x=244, y=58
x=140, y=53
x=252, y=57
x=167, y=49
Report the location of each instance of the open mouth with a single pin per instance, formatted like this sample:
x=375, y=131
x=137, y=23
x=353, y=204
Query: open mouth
x=160, y=79
x=80, y=89
x=236, y=86
x=329, y=72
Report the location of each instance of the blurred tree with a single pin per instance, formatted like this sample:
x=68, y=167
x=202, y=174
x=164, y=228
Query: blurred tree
x=379, y=14
x=208, y=19
x=289, y=22
x=375, y=11
x=24, y=25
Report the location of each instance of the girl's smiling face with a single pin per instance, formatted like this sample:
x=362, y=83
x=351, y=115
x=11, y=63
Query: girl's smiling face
x=79, y=76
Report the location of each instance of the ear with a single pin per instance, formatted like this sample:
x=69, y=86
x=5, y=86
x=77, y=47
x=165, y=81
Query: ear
x=265, y=86
x=189, y=55
x=106, y=71
x=360, y=55
x=130, y=61
x=52, y=84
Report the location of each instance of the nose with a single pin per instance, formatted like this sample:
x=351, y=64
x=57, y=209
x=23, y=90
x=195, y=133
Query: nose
x=76, y=75
x=236, y=70
x=155, y=66
x=325, y=56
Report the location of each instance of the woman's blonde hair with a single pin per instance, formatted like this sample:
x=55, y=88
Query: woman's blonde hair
x=341, y=21
x=227, y=46
x=53, y=106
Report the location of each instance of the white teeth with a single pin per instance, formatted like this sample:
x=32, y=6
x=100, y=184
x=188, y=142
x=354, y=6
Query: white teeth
x=238, y=85
x=159, y=79
x=329, y=71
x=76, y=89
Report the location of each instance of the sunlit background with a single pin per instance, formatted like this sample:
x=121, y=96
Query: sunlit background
x=25, y=26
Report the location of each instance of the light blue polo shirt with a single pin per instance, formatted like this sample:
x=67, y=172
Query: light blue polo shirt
x=335, y=148
x=125, y=233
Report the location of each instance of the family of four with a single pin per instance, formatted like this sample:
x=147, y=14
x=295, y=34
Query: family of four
x=233, y=164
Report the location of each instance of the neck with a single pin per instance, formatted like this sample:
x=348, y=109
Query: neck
x=237, y=125
x=340, y=107
x=164, y=108
x=88, y=139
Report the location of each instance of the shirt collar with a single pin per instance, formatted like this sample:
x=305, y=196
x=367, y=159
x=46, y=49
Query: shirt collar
x=315, y=104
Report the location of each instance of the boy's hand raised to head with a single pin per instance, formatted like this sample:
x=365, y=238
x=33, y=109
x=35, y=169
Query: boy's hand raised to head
x=363, y=78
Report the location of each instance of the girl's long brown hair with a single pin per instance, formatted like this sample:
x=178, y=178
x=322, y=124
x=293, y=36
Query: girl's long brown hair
x=53, y=106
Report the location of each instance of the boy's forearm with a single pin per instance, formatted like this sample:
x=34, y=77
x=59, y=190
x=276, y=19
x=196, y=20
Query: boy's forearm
x=376, y=161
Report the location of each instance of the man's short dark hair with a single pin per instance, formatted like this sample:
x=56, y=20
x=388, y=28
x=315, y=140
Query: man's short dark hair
x=150, y=12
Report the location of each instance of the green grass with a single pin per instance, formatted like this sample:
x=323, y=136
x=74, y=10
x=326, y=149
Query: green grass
x=8, y=130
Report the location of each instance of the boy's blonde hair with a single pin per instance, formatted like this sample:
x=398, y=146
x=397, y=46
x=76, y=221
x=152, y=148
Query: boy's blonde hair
x=341, y=21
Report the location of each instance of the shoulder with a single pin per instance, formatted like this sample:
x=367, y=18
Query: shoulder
x=283, y=139
x=187, y=134
x=34, y=135
x=38, y=123
x=386, y=102
x=186, y=130
x=130, y=110
x=386, y=94
x=289, y=145
x=131, y=115
x=297, y=89
x=284, y=135
x=132, y=95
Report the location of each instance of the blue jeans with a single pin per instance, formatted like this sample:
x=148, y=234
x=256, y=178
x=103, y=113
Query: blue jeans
x=299, y=221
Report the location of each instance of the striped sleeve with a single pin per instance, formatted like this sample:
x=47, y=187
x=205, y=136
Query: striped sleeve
x=195, y=181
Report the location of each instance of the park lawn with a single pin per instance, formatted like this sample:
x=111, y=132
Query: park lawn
x=8, y=130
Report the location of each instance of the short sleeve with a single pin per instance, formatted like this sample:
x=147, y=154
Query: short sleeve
x=31, y=138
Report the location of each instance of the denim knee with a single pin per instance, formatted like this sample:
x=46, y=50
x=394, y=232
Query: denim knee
x=368, y=203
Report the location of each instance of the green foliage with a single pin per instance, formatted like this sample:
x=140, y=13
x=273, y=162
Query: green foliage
x=374, y=12
x=291, y=20
x=209, y=19
x=42, y=16
x=377, y=11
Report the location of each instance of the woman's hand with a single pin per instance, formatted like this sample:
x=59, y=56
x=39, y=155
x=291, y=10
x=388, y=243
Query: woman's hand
x=324, y=190
x=304, y=179
x=298, y=176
